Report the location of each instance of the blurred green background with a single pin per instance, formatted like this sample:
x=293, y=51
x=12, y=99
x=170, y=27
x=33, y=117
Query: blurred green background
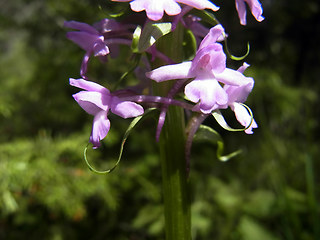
x=269, y=192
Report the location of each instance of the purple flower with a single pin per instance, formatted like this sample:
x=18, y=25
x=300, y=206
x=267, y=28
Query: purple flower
x=155, y=8
x=96, y=39
x=238, y=95
x=255, y=7
x=97, y=101
x=89, y=39
x=208, y=68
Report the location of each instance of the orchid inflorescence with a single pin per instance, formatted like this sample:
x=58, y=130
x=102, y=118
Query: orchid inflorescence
x=206, y=83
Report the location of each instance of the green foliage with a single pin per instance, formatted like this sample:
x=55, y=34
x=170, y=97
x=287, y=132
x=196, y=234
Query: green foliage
x=45, y=183
x=143, y=39
x=207, y=134
x=45, y=173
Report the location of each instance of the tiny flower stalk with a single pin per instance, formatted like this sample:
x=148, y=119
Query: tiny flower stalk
x=175, y=184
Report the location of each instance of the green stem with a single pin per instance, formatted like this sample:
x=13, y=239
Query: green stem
x=174, y=178
x=172, y=153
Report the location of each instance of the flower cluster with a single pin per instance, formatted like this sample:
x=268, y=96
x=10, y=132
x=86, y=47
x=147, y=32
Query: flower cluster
x=206, y=82
x=208, y=69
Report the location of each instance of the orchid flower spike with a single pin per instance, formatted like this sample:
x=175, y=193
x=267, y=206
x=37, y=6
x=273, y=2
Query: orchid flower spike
x=97, y=101
x=255, y=7
x=208, y=68
x=156, y=8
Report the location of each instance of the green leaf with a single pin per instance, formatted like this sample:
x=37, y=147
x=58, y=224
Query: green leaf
x=126, y=135
x=189, y=45
x=227, y=157
x=207, y=134
x=135, y=39
x=151, y=33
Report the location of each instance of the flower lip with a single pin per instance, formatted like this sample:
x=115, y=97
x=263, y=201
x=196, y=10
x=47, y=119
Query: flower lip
x=100, y=128
x=156, y=8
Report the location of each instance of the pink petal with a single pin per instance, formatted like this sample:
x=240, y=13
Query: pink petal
x=84, y=65
x=92, y=102
x=100, y=49
x=199, y=4
x=210, y=58
x=243, y=67
x=126, y=109
x=208, y=93
x=154, y=9
x=239, y=93
x=232, y=77
x=256, y=9
x=83, y=39
x=100, y=128
x=88, y=85
x=171, y=7
x=242, y=12
x=81, y=26
x=170, y=72
x=215, y=34
x=244, y=117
